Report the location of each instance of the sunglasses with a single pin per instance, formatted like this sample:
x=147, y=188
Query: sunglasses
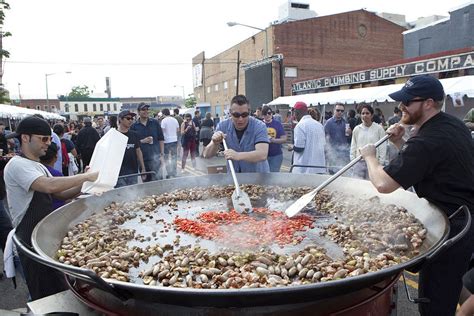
x=339, y=110
x=413, y=101
x=237, y=114
x=43, y=138
x=128, y=118
x=267, y=113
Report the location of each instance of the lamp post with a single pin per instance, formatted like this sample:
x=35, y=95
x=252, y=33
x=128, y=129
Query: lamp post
x=19, y=93
x=184, y=96
x=46, y=80
x=230, y=24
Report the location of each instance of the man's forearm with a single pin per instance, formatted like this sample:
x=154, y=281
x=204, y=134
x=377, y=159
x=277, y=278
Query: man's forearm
x=54, y=185
x=379, y=178
x=140, y=160
x=210, y=150
x=162, y=146
x=253, y=156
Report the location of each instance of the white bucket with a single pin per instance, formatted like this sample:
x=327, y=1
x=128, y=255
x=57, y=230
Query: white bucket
x=107, y=159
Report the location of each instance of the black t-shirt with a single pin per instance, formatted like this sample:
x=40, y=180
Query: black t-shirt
x=439, y=163
x=130, y=161
x=240, y=134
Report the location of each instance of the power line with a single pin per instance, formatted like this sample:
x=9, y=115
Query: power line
x=222, y=61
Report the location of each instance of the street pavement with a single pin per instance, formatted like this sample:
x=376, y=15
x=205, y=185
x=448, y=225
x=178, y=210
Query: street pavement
x=11, y=298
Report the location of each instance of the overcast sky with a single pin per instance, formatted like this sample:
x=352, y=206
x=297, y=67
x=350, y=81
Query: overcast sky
x=145, y=46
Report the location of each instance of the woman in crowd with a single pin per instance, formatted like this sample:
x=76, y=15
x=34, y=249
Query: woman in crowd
x=207, y=126
x=276, y=136
x=379, y=118
x=315, y=114
x=188, y=132
x=352, y=121
x=112, y=124
x=366, y=133
x=48, y=160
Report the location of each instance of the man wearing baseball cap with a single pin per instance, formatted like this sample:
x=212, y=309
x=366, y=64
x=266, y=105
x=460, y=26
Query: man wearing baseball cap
x=308, y=142
x=133, y=157
x=151, y=142
x=438, y=161
x=30, y=187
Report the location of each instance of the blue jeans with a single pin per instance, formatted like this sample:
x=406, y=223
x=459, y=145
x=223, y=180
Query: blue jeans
x=275, y=162
x=171, y=158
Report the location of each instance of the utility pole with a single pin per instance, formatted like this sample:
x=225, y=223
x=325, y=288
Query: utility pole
x=238, y=73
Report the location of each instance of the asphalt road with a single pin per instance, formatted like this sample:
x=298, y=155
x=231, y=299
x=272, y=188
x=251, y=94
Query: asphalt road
x=11, y=298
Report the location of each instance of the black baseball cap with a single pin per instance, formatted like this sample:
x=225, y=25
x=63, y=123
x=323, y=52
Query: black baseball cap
x=31, y=125
x=142, y=106
x=423, y=86
x=125, y=113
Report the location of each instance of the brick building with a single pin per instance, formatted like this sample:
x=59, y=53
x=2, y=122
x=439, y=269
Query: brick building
x=51, y=105
x=298, y=50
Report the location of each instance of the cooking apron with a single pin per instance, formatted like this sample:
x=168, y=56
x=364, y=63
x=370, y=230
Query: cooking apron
x=41, y=280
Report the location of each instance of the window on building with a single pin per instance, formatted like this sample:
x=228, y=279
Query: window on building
x=66, y=107
x=108, y=106
x=76, y=107
x=115, y=106
x=101, y=107
x=208, y=89
x=53, y=107
x=216, y=87
x=235, y=82
x=291, y=72
x=94, y=107
x=85, y=108
x=46, y=108
x=226, y=85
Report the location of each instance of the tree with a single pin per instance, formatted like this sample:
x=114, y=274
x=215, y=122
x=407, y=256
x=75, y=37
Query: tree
x=190, y=102
x=79, y=92
x=3, y=53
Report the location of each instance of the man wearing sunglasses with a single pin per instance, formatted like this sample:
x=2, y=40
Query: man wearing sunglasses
x=246, y=138
x=337, y=147
x=30, y=188
x=438, y=161
x=133, y=156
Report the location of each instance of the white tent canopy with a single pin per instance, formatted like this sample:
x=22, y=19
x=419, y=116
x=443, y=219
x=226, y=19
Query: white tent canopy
x=463, y=85
x=18, y=113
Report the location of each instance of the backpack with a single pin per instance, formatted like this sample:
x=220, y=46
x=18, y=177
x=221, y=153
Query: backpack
x=64, y=154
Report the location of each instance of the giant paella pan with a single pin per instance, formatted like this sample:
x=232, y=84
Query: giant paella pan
x=164, y=253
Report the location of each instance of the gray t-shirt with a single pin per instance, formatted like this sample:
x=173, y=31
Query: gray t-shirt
x=19, y=174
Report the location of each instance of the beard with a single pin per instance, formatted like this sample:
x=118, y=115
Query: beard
x=411, y=118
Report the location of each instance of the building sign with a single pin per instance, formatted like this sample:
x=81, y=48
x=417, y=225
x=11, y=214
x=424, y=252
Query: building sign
x=440, y=64
x=197, y=75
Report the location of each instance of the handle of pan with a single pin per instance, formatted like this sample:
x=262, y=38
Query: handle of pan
x=232, y=170
x=80, y=273
x=451, y=241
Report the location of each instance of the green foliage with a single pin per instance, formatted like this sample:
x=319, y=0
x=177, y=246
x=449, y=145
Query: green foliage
x=190, y=102
x=4, y=99
x=79, y=92
x=4, y=6
x=3, y=53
